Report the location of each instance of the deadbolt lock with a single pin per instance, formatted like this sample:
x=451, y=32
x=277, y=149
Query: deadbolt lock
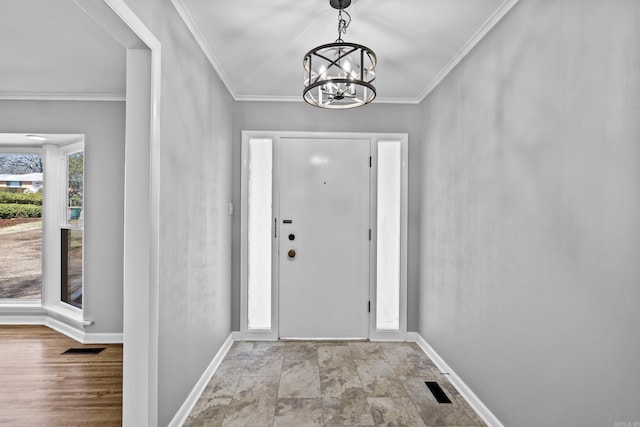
x=291, y=253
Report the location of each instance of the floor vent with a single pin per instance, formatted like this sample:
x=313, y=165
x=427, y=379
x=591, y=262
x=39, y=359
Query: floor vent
x=87, y=350
x=437, y=392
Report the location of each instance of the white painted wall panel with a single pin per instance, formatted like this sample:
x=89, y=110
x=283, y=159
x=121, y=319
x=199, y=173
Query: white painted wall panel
x=298, y=116
x=103, y=125
x=530, y=215
x=195, y=190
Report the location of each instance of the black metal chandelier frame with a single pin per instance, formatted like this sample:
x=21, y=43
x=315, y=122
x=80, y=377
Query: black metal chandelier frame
x=334, y=84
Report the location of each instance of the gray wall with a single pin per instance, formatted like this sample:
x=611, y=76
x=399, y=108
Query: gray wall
x=195, y=189
x=530, y=210
x=298, y=116
x=103, y=125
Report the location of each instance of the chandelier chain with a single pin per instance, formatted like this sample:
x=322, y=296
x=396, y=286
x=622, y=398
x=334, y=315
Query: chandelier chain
x=342, y=24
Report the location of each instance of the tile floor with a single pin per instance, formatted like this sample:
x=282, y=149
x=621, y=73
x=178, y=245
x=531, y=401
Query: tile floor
x=306, y=383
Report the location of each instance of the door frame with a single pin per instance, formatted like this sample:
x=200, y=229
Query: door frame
x=273, y=332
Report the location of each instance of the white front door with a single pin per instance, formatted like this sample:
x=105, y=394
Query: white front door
x=323, y=237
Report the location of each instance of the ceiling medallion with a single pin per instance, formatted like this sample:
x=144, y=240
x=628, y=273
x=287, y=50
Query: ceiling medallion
x=339, y=75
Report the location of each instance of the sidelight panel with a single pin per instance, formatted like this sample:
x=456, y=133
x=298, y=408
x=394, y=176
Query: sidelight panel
x=388, y=242
x=259, y=233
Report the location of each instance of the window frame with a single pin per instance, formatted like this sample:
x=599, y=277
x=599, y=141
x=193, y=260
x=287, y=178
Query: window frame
x=63, y=222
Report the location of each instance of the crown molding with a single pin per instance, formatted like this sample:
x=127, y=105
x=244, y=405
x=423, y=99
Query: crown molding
x=62, y=97
x=204, y=46
x=396, y=101
x=249, y=98
x=496, y=17
x=258, y=98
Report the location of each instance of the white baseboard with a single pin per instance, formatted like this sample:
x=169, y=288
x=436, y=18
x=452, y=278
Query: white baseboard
x=254, y=336
x=22, y=320
x=65, y=329
x=464, y=390
x=183, y=413
x=102, y=338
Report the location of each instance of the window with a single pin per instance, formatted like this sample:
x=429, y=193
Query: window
x=20, y=227
x=388, y=245
x=71, y=231
x=71, y=250
x=75, y=188
x=259, y=234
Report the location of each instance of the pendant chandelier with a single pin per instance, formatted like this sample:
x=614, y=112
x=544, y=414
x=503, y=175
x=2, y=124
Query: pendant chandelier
x=339, y=75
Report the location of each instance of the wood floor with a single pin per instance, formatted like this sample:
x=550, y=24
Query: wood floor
x=41, y=387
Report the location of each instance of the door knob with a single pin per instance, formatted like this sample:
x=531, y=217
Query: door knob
x=292, y=236
x=291, y=253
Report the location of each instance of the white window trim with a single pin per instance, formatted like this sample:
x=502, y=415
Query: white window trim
x=54, y=213
x=62, y=307
x=374, y=333
x=255, y=334
x=51, y=155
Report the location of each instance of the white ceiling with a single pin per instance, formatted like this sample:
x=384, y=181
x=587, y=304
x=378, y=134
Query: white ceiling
x=257, y=46
x=51, y=48
x=36, y=140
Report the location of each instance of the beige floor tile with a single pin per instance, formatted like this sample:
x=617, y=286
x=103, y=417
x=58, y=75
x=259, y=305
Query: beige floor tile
x=298, y=413
x=263, y=367
x=394, y=412
x=223, y=383
x=413, y=366
x=378, y=379
x=300, y=379
x=365, y=350
x=336, y=361
x=432, y=412
x=328, y=384
x=406, y=361
x=253, y=403
x=453, y=393
x=240, y=350
x=338, y=343
x=297, y=350
x=208, y=413
x=332, y=386
x=231, y=364
x=268, y=350
x=349, y=408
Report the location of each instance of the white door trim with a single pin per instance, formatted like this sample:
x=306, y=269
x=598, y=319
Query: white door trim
x=142, y=176
x=274, y=136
